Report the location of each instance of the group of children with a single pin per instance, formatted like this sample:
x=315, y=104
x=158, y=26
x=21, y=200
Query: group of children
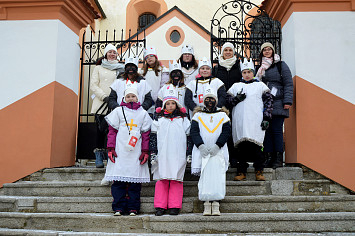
x=170, y=134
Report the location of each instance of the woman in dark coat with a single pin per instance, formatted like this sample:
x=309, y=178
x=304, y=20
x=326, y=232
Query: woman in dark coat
x=277, y=76
x=228, y=71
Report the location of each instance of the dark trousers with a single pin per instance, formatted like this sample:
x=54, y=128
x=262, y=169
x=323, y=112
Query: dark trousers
x=248, y=151
x=273, y=141
x=126, y=196
x=100, y=137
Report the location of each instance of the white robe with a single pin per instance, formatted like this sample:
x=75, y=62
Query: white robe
x=248, y=114
x=119, y=86
x=210, y=125
x=127, y=166
x=202, y=84
x=189, y=75
x=172, y=145
x=154, y=82
x=180, y=90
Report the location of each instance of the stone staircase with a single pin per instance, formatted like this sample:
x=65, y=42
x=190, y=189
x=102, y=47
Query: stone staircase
x=71, y=201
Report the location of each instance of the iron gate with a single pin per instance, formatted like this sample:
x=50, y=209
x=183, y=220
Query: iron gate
x=92, y=50
x=246, y=26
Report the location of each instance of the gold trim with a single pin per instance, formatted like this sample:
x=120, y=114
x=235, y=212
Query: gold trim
x=215, y=128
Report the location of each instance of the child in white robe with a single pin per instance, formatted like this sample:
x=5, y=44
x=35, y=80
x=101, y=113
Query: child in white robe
x=210, y=130
x=168, y=145
x=128, y=147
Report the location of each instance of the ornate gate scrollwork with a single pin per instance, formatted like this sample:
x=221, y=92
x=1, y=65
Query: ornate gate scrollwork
x=246, y=26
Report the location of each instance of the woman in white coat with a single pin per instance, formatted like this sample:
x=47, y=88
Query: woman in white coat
x=104, y=74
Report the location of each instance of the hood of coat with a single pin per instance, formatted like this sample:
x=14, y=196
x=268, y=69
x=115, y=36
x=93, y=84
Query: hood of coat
x=131, y=105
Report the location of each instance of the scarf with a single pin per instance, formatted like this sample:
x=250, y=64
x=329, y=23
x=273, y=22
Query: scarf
x=113, y=65
x=266, y=62
x=227, y=63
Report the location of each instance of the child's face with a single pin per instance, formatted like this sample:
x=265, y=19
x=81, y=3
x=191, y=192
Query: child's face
x=150, y=60
x=247, y=75
x=170, y=106
x=205, y=71
x=131, y=98
x=210, y=102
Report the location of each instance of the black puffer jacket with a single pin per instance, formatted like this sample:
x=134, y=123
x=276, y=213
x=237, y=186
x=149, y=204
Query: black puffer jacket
x=284, y=86
x=228, y=77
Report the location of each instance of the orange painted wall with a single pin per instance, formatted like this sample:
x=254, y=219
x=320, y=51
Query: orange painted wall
x=38, y=131
x=325, y=133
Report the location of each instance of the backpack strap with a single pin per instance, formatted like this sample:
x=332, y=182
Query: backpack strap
x=279, y=68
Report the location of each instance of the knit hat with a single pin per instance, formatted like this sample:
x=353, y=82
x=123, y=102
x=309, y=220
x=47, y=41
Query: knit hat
x=187, y=49
x=247, y=65
x=170, y=93
x=150, y=51
x=210, y=92
x=131, y=60
x=204, y=62
x=227, y=45
x=130, y=88
x=108, y=48
x=174, y=66
x=267, y=44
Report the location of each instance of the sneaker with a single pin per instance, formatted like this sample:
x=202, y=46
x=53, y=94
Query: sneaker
x=259, y=175
x=133, y=213
x=240, y=177
x=159, y=211
x=117, y=213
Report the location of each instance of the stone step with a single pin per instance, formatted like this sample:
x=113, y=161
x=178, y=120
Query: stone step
x=234, y=188
x=184, y=223
x=231, y=204
x=17, y=232
x=93, y=174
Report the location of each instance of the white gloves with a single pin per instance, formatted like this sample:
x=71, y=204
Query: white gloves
x=203, y=150
x=214, y=150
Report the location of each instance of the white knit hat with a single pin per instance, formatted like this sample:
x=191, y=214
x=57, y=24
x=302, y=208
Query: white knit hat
x=210, y=92
x=247, y=65
x=131, y=60
x=227, y=45
x=174, y=66
x=170, y=93
x=187, y=49
x=109, y=47
x=204, y=62
x=130, y=88
x=267, y=44
x=150, y=51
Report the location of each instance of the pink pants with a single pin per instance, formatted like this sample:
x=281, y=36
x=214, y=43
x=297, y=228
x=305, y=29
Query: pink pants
x=168, y=194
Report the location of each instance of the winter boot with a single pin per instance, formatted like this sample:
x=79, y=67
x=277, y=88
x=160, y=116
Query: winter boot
x=159, y=211
x=269, y=159
x=207, y=209
x=240, y=176
x=278, y=160
x=99, y=154
x=259, y=175
x=215, y=209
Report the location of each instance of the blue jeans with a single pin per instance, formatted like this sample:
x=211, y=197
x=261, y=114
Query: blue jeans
x=126, y=196
x=273, y=141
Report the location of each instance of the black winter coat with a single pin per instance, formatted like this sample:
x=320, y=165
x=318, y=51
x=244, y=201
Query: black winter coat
x=228, y=77
x=284, y=86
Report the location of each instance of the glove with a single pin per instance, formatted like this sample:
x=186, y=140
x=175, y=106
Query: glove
x=240, y=96
x=144, y=157
x=264, y=125
x=106, y=99
x=153, y=159
x=111, y=153
x=203, y=150
x=188, y=158
x=214, y=150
